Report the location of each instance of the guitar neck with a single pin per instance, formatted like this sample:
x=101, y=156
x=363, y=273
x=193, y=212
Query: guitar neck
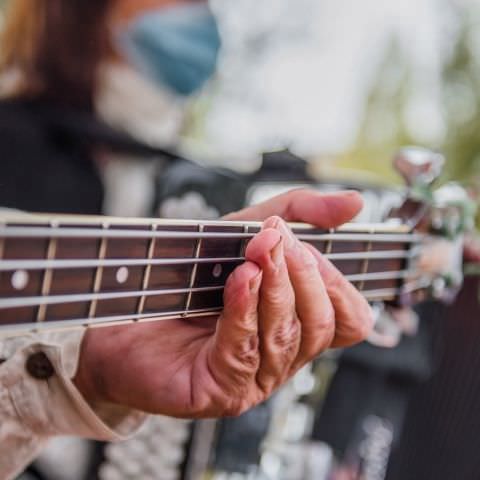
x=68, y=271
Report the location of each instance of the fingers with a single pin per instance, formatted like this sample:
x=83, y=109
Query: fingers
x=313, y=306
x=353, y=315
x=279, y=326
x=323, y=210
x=234, y=358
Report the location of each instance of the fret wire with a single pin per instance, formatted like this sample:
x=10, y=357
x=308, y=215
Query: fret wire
x=365, y=263
x=9, y=265
x=2, y=241
x=17, y=302
x=328, y=249
x=193, y=275
x=148, y=269
x=47, y=276
x=243, y=246
x=65, y=232
x=97, y=283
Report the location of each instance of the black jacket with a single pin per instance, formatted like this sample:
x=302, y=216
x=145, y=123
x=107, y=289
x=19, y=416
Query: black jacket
x=45, y=165
x=47, y=157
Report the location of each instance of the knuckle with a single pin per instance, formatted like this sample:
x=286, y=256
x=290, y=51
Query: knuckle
x=280, y=299
x=246, y=353
x=323, y=332
x=286, y=336
x=275, y=220
x=365, y=323
x=336, y=281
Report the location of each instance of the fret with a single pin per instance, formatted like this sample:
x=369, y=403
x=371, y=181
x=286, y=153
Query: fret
x=97, y=283
x=123, y=278
x=243, y=247
x=328, y=248
x=193, y=275
x=2, y=241
x=365, y=263
x=48, y=275
x=216, y=273
x=148, y=270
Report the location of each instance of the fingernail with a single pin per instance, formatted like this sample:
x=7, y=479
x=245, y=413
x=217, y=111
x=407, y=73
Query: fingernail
x=290, y=240
x=255, y=283
x=276, y=254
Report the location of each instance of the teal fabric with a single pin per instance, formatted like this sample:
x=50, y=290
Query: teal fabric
x=177, y=46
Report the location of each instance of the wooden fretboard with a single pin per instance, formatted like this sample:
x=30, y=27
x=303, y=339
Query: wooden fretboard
x=64, y=271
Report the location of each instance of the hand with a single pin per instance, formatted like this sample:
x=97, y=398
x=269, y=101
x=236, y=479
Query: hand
x=283, y=306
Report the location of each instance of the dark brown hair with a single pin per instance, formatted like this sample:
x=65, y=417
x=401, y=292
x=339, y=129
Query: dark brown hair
x=56, y=46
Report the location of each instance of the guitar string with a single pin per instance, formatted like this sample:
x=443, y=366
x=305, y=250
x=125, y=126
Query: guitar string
x=58, y=264
x=19, y=302
x=379, y=294
x=23, y=232
x=66, y=232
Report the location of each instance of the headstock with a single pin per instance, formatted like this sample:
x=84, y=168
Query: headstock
x=443, y=216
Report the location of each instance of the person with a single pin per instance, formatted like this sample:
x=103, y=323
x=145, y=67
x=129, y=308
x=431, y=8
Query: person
x=283, y=306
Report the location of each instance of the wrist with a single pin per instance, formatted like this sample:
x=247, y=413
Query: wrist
x=89, y=378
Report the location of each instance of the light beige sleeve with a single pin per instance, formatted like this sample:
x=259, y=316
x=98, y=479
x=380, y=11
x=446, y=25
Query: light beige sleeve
x=33, y=409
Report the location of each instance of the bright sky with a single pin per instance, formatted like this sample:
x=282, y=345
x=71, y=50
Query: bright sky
x=298, y=73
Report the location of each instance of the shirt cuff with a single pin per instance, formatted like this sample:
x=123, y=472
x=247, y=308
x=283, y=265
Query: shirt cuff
x=33, y=409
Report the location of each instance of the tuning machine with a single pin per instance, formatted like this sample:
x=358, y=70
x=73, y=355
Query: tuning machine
x=447, y=211
x=444, y=214
x=419, y=167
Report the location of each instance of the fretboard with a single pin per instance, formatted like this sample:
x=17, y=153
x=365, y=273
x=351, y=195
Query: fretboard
x=88, y=271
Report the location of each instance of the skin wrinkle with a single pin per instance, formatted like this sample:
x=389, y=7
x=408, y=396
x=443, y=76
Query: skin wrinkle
x=279, y=343
x=242, y=359
x=314, y=322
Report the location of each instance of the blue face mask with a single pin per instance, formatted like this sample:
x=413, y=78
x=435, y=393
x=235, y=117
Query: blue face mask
x=177, y=46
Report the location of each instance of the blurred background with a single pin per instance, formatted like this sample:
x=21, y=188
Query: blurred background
x=343, y=84
x=333, y=88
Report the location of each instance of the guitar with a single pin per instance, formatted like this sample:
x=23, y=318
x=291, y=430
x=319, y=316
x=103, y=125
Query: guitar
x=61, y=272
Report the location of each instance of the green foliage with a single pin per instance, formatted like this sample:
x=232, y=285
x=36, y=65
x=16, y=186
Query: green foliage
x=383, y=129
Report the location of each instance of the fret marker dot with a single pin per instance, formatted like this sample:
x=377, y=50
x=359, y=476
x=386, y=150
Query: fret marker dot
x=19, y=279
x=217, y=270
x=122, y=275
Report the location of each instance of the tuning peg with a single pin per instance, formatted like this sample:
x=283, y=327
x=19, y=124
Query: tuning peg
x=418, y=166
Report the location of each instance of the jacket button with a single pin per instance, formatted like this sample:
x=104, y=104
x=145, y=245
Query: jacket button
x=39, y=366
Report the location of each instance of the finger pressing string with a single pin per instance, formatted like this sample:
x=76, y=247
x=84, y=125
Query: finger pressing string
x=234, y=359
x=312, y=304
x=353, y=315
x=279, y=328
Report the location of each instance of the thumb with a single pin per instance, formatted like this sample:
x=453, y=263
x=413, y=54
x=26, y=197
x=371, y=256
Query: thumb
x=308, y=206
